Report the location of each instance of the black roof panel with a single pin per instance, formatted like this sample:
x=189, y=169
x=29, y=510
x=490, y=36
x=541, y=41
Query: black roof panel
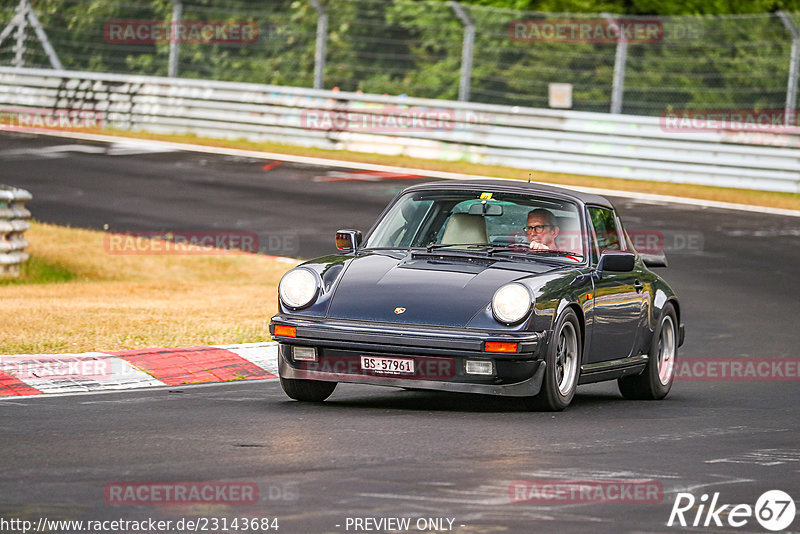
x=516, y=186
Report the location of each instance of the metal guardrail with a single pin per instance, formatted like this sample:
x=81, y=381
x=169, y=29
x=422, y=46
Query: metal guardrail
x=595, y=144
x=13, y=222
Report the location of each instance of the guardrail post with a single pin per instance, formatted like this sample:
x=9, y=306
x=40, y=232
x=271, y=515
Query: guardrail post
x=322, y=36
x=794, y=70
x=13, y=222
x=466, y=50
x=174, y=48
x=620, y=58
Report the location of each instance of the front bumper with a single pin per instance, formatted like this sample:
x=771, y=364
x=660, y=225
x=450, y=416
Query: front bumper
x=439, y=355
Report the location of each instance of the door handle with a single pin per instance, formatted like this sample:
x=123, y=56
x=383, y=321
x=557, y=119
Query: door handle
x=638, y=285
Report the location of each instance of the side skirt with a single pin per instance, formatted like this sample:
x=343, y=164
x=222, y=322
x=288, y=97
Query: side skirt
x=600, y=371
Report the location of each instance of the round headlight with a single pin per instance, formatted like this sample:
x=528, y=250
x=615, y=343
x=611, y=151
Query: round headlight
x=511, y=303
x=298, y=288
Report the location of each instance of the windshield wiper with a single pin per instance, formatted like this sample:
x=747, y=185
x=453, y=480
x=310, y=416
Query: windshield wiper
x=524, y=250
x=565, y=253
x=520, y=248
x=517, y=249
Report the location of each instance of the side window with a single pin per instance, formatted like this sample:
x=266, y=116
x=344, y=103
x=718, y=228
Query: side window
x=605, y=229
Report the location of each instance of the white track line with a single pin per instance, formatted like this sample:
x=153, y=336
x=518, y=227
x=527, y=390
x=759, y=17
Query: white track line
x=167, y=145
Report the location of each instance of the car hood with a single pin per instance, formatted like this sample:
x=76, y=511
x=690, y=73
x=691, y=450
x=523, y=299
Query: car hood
x=440, y=290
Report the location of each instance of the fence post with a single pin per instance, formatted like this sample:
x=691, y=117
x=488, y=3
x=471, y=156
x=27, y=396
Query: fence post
x=40, y=33
x=24, y=15
x=790, y=117
x=466, y=50
x=322, y=35
x=22, y=26
x=620, y=58
x=177, y=15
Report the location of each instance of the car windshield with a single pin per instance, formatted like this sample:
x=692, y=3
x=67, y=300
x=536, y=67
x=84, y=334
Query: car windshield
x=481, y=220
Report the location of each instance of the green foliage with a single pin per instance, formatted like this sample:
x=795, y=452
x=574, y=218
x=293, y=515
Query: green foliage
x=414, y=47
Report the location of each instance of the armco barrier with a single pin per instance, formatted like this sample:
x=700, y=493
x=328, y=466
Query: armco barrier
x=13, y=223
x=595, y=144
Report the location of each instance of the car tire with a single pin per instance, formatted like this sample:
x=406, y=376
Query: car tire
x=563, y=366
x=656, y=380
x=307, y=390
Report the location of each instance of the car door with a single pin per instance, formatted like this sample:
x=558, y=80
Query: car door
x=617, y=309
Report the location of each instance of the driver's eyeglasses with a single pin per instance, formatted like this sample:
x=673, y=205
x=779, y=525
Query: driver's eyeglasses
x=539, y=228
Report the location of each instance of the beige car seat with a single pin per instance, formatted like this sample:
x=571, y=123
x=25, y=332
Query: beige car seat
x=465, y=229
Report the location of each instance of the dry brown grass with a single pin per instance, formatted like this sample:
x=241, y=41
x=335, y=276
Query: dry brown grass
x=75, y=297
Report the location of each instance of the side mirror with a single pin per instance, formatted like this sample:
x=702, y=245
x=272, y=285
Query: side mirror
x=616, y=261
x=654, y=260
x=348, y=240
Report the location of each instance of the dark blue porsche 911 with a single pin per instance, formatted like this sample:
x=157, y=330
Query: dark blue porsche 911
x=487, y=286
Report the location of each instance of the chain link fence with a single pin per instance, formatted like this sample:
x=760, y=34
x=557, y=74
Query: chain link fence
x=423, y=49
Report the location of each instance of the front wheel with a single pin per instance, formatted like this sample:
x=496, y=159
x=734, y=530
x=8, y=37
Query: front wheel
x=307, y=390
x=563, y=362
x=656, y=380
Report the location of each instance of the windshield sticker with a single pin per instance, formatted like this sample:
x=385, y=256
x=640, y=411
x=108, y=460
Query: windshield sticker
x=486, y=196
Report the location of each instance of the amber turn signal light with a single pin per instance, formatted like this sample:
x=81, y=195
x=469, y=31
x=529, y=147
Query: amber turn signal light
x=496, y=346
x=283, y=330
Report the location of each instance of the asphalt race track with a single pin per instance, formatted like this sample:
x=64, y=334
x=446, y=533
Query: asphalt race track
x=372, y=452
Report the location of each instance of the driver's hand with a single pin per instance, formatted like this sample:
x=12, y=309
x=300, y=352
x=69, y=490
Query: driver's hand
x=535, y=245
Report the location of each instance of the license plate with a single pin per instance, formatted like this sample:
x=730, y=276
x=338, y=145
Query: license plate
x=392, y=366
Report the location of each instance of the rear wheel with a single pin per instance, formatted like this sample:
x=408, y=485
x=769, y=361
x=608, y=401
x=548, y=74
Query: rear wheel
x=562, y=369
x=307, y=390
x=656, y=380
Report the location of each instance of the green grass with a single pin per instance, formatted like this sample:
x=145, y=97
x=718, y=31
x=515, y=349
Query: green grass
x=39, y=271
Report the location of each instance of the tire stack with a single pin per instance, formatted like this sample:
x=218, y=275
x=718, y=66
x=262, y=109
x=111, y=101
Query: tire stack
x=13, y=223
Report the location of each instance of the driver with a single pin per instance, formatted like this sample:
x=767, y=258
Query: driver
x=542, y=230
